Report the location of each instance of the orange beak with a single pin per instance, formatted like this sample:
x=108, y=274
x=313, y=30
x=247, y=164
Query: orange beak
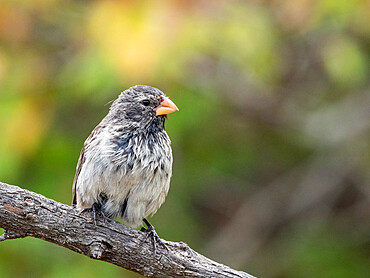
x=166, y=107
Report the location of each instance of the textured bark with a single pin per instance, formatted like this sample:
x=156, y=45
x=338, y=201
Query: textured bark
x=25, y=213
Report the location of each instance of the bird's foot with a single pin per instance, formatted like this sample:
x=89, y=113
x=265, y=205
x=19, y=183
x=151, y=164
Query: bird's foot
x=150, y=231
x=95, y=209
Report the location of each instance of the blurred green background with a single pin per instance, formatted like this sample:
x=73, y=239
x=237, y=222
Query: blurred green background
x=271, y=144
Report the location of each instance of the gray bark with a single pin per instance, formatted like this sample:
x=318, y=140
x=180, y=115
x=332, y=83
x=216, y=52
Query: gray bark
x=25, y=213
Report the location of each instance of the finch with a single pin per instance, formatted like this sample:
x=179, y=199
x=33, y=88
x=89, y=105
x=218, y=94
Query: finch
x=125, y=165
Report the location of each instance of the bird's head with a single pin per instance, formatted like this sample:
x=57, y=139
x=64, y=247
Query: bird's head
x=142, y=105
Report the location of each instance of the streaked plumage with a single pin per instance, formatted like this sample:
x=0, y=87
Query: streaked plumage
x=125, y=165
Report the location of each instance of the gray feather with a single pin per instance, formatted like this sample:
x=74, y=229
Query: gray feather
x=127, y=159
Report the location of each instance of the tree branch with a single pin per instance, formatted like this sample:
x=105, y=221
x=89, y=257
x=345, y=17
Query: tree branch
x=25, y=213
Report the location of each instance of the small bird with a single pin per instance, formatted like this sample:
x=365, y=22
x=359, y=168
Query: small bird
x=125, y=165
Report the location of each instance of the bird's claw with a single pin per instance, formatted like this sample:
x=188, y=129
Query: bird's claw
x=95, y=210
x=150, y=231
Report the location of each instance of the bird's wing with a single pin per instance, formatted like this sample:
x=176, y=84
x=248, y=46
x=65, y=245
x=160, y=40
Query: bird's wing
x=81, y=161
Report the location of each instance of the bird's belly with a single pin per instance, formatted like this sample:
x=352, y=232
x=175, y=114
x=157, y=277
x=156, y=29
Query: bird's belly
x=130, y=185
x=138, y=193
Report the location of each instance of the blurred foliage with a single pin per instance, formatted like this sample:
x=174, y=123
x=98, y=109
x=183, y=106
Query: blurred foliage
x=270, y=168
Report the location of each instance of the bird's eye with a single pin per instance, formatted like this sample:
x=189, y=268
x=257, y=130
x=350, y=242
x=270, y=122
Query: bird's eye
x=146, y=102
